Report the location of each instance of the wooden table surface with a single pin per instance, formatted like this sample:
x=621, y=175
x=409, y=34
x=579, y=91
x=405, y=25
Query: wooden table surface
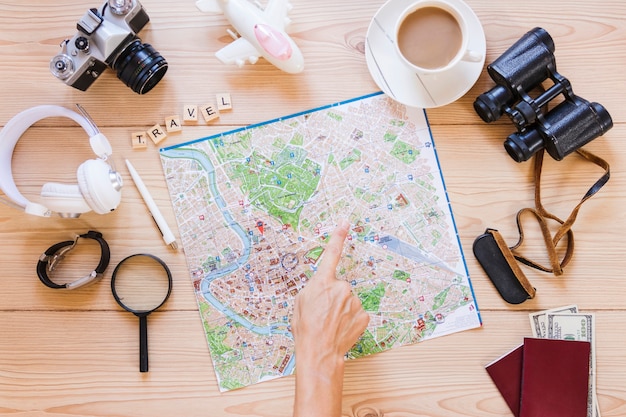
x=74, y=353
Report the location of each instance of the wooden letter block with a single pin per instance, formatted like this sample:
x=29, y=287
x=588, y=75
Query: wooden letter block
x=223, y=102
x=190, y=113
x=156, y=133
x=173, y=125
x=210, y=112
x=138, y=140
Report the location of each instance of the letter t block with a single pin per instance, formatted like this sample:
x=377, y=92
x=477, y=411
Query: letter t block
x=138, y=140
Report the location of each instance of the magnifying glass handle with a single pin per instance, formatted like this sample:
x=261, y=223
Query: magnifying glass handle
x=143, y=343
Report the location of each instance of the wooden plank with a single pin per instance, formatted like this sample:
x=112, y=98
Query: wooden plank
x=75, y=353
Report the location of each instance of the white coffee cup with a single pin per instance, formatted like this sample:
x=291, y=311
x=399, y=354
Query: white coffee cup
x=432, y=38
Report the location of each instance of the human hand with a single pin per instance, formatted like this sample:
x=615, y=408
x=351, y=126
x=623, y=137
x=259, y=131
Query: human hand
x=327, y=321
x=327, y=317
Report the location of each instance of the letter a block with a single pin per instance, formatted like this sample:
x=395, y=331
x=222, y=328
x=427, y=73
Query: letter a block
x=173, y=125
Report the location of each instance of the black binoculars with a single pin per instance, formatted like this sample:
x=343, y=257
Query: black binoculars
x=520, y=71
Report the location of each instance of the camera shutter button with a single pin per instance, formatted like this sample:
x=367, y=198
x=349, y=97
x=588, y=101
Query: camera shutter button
x=82, y=44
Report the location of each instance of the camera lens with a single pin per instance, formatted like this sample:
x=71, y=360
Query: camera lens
x=140, y=66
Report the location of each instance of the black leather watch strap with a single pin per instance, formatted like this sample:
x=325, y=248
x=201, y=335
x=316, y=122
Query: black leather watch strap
x=55, y=253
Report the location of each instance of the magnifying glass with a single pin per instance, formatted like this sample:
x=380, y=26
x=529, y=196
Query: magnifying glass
x=141, y=283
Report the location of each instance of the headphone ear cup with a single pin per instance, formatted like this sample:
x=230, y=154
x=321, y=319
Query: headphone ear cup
x=63, y=198
x=100, y=185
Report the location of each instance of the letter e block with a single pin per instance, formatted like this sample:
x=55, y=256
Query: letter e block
x=190, y=113
x=210, y=112
x=173, y=125
x=224, y=102
x=156, y=133
x=138, y=140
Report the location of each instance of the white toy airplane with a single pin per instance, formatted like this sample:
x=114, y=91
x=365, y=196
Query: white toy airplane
x=261, y=33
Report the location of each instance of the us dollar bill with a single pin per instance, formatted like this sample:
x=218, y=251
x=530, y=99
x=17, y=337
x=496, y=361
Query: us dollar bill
x=538, y=320
x=580, y=327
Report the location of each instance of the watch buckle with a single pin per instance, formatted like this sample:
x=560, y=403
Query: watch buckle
x=59, y=255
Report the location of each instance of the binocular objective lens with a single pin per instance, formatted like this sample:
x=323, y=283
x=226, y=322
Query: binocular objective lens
x=490, y=105
x=522, y=146
x=62, y=66
x=140, y=66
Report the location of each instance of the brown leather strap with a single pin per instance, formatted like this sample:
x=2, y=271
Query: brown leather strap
x=510, y=259
x=543, y=216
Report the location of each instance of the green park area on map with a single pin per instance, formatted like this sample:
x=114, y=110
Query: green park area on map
x=256, y=206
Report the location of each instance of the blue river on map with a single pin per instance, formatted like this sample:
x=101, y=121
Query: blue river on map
x=393, y=244
x=278, y=328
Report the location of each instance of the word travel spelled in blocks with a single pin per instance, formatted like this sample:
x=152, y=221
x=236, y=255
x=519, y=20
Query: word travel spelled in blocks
x=174, y=124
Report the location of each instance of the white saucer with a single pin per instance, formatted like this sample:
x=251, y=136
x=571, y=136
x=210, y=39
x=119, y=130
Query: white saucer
x=402, y=84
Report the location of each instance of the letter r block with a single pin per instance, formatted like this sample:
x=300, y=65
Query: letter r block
x=156, y=133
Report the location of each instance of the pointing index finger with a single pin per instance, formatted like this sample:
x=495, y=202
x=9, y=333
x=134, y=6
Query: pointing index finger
x=332, y=252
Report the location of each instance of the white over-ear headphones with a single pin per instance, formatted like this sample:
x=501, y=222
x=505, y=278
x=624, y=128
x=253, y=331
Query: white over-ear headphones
x=99, y=185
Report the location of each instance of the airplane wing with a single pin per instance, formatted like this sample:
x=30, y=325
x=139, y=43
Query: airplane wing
x=238, y=52
x=276, y=13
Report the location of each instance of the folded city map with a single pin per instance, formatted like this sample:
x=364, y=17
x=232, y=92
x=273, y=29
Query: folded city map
x=255, y=207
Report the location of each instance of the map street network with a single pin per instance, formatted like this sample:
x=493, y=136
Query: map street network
x=256, y=206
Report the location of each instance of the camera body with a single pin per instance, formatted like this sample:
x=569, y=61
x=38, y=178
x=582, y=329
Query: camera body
x=520, y=70
x=108, y=38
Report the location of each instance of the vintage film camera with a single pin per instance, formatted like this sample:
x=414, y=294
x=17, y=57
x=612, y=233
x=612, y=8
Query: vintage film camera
x=517, y=72
x=108, y=37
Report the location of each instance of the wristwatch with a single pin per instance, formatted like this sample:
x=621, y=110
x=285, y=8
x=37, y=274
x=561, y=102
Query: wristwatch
x=55, y=254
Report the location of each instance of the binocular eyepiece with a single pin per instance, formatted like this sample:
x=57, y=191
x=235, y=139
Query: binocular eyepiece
x=518, y=72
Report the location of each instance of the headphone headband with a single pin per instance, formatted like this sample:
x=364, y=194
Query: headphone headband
x=17, y=126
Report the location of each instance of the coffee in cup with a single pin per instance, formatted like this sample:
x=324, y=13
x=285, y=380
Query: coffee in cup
x=432, y=37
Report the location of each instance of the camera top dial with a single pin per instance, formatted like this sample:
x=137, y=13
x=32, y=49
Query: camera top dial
x=121, y=7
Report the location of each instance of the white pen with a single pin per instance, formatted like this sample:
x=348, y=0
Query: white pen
x=166, y=232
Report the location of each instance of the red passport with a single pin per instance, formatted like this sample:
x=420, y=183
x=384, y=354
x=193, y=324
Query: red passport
x=506, y=373
x=555, y=378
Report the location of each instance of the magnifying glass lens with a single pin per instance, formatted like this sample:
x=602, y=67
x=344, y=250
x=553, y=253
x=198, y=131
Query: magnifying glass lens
x=141, y=283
